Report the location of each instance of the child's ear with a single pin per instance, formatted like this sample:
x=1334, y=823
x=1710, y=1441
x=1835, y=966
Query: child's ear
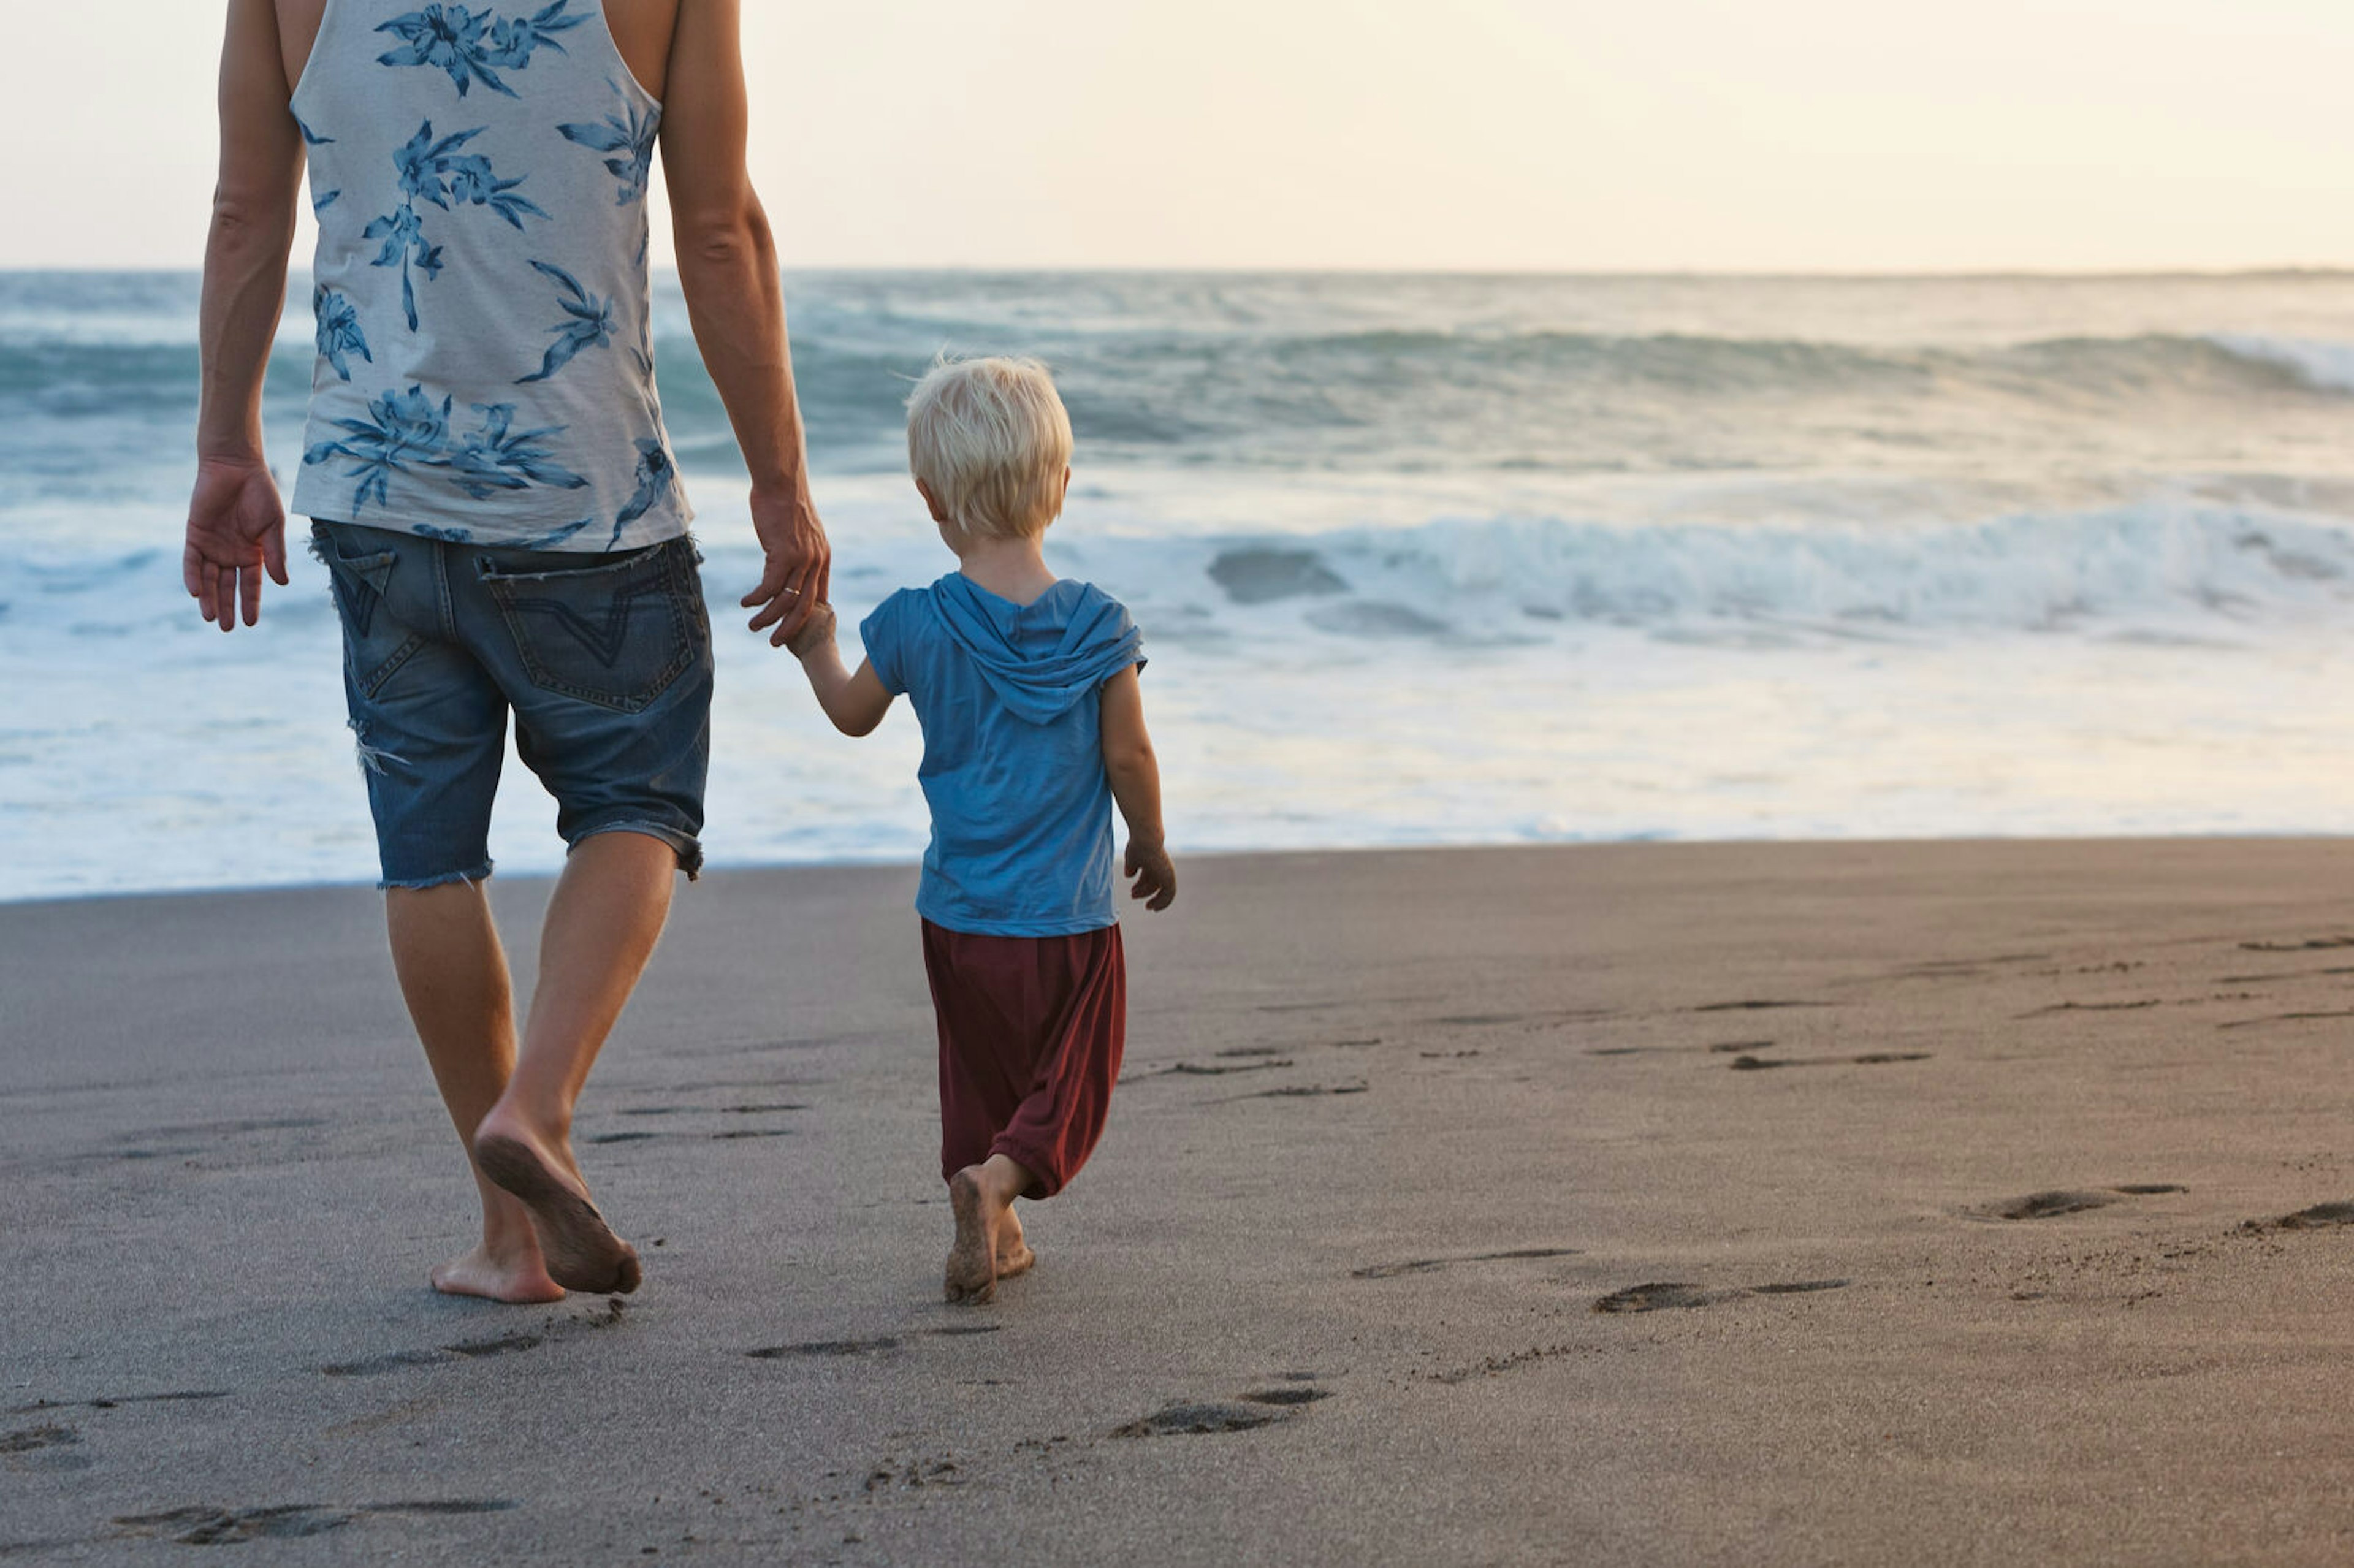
x=1066, y=482
x=932, y=503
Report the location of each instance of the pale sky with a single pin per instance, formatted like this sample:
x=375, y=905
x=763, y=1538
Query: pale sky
x=1716, y=135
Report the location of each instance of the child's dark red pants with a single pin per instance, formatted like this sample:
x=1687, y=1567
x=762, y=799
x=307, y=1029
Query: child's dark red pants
x=1031, y=1029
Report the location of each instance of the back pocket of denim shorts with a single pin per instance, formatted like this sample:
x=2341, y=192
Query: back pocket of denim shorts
x=375, y=643
x=616, y=634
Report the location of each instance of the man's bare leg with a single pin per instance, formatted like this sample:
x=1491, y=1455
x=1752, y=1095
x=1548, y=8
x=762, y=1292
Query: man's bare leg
x=982, y=1196
x=602, y=924
x=454, y=975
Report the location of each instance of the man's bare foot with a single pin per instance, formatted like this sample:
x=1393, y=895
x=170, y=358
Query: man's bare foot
x=972, y=1259
x=1012, y=1251
x=582, y=1251
x=519, y=1283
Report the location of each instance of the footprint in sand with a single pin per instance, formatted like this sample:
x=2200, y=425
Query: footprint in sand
x=2139, y=1004
x=1869, y=1059
x=2051, y=1205
x=33, y=1439
x=1211, y=1069
x=1672, y=1295
x=508, y=1344
x=172, y=1398
x=1429, y=1265
x=1262, y=1408
x=2287, y=1018
x=2320, y=1217
x=731, y=1135
x=1308, y=1091
x=203, y=1526
x=882, y=1345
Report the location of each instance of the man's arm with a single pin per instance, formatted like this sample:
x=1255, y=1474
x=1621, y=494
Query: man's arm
x=727, y=265
x=236, y=525
x=856, y=702
x=1135, y=775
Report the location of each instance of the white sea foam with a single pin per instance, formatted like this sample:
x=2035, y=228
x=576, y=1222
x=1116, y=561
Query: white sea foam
x=1417, y=561
x=2325, y=365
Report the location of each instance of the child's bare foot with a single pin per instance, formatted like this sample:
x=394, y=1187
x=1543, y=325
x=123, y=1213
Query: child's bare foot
x=517, y=1281
x=1012, y=1253
x=582, y=1250
x=973, y=1257
x=982, y=1196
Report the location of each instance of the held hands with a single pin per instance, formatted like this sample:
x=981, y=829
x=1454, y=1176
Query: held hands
x=817, y=632
x=1155, y=873
x=237, y=531
x=799, y=566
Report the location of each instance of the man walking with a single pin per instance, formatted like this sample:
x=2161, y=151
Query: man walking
x=495, y=497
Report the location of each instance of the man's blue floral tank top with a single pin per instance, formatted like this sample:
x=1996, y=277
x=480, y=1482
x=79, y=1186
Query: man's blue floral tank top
x=485, y=368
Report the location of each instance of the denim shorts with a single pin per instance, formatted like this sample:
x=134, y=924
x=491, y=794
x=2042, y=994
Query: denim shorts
x=604, y=660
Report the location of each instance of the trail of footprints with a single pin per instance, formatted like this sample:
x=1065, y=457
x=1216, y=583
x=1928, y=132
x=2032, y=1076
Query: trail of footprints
x=1260, y=1407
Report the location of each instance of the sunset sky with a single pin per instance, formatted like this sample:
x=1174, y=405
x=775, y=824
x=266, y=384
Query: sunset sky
x=1719, y=135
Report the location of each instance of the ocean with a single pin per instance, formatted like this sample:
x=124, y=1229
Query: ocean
x=1420, y=560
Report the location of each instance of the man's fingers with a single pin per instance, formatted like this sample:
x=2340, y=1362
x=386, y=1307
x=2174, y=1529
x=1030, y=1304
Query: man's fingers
x=249, y=584
x=782, y=605
x=273, y=554
x=771, y=595
x=225, y=597
x=761, y=594
x=774, y=572
x=796, y=603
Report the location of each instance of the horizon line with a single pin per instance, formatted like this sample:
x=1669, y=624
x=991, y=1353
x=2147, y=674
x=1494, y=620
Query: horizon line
x=1922, y=275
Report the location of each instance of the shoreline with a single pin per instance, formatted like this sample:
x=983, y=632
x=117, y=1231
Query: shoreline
x=713, y=868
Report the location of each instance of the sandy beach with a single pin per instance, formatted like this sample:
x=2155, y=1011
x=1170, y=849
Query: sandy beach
x=1857, y=1204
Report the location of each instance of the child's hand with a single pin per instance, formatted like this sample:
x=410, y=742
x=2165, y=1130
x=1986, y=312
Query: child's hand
x=1156, y=876
x=816, y=632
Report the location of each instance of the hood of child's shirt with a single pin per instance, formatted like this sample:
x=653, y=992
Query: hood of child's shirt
x=1042, y=657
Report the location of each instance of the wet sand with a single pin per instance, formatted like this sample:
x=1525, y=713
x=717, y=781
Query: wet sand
x=1921, y=1203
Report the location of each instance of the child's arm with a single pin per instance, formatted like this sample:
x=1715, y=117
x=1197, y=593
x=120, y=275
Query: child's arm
x=855, y=703
x=1136, y=784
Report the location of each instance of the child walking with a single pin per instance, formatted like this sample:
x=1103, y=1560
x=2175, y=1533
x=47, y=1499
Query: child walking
x=1027, y=688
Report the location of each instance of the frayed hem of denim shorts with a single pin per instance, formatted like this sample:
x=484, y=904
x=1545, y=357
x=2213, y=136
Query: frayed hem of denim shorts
x=686, y=846
x=421, y=884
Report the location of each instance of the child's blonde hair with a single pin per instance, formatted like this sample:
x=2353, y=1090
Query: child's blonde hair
x=992, y=440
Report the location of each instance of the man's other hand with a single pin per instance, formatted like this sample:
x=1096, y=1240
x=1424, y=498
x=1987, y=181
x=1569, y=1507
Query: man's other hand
x=237, y=531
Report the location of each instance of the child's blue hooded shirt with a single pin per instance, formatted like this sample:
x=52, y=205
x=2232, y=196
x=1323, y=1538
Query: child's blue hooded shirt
x=1022, y=831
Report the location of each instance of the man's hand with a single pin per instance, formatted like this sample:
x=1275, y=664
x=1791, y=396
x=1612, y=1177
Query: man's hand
x=236, y=530
x=1155, y=873
x=816, y=632
x=799, y=568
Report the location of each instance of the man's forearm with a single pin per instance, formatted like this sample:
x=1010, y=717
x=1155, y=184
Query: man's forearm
x=736, y=299
x=244, y=293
